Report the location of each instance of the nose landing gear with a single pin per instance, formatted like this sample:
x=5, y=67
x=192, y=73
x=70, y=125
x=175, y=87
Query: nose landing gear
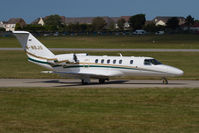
x=164, y=81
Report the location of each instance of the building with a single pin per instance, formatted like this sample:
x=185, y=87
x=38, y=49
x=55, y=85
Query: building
x=1, y=24
x=88, y=20
x=126, y=24
x=9, y=27
x=194, y=27
x=39, y=21
x=162, y=20
x=11, y=24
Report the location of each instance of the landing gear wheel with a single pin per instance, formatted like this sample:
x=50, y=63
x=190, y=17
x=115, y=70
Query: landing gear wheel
x=85, y=81
x=101, y=81
x=165, y=81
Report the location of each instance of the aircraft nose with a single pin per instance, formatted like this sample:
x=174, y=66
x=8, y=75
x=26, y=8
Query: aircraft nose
x=177, y=72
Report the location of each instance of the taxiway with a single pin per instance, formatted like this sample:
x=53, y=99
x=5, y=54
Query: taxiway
x=74, y=83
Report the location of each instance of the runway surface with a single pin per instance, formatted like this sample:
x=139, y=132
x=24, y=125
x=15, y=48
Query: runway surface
x=74, y=83
x=110, y=50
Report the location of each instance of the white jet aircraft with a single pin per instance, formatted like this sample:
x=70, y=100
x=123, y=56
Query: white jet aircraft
x=86, y=67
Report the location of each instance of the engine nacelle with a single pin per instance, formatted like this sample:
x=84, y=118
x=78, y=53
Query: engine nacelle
x=64, y=59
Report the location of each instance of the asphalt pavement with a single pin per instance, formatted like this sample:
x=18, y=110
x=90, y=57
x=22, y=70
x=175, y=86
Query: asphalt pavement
x=75, y=83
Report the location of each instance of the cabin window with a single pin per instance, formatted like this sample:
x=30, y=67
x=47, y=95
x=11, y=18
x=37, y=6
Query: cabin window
x=96, y=61
x=102, y=61
x=108, y=61
x=131, y=61
x=114, y=61
x=120, y=61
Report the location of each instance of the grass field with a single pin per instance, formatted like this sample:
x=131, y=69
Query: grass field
x=181, y=41
x=14, y=64
x=44, y=110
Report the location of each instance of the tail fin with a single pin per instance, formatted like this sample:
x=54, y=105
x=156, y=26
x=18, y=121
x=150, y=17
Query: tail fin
x=32, y=46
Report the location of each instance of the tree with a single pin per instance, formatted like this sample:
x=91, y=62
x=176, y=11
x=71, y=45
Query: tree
x=99, y=24
x=83, y=27
x=111, y=26
x=120, y=23
x=18, y=27
x=53, y=22
x=196, y=21
x=137, y=21
x=189, y=21
x=151, y=27
x=173, y=23
x=34, y=28
x=2, y=29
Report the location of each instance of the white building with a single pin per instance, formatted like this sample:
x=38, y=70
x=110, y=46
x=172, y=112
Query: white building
x=1, y=24
x=11, y=24
x=41, y=21
x=162, y=20
x=7, y=26
x=10, y=27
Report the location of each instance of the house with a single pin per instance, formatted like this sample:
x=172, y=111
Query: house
x=87, y=20
x=9, y=27
x=126, y=24
x=11, y=23
x=80, y=20
x=162, y=20
x=39, y=21
x=1, y=24
x=194, y=27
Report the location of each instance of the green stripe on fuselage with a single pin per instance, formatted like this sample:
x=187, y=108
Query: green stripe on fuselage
x=38, y=61
x=87, y=66
x=42, y=62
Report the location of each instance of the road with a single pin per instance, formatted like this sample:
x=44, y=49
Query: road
x=74, y=83
x=111, y=50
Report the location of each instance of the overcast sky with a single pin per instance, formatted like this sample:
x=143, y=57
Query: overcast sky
x=32, y=9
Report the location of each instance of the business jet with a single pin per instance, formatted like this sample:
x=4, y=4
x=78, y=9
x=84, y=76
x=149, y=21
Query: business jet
x=86, y=67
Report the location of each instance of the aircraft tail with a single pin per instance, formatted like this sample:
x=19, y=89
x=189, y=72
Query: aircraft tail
x=34, y=49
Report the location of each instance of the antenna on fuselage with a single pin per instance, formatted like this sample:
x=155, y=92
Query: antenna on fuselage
x=120, y=54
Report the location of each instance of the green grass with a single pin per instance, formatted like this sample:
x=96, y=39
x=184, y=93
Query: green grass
x=181, y=41
x=14, y=64
x=44, y=110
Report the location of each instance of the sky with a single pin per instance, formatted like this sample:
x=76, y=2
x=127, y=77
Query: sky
x=32, y=9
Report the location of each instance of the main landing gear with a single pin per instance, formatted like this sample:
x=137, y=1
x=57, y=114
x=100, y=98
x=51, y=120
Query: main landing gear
x=102, y=81
x=164, y=81
x=87, y=81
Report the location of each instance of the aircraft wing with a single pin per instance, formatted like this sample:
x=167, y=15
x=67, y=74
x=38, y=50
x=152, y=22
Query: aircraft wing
x=81, y=75
x=90, y=74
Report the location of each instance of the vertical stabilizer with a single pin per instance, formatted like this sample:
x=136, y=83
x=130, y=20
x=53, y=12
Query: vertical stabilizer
x=32, y=46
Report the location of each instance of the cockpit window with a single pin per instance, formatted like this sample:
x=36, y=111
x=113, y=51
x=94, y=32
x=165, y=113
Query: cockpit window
x=151, y=61
x=147, y=62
